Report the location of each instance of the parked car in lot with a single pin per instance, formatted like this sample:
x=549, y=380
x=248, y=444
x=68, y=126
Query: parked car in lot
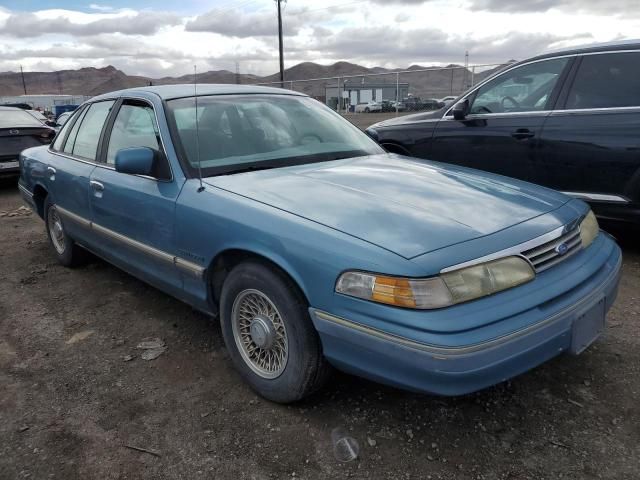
x=19, y=130
x=41, y=118
x=569, y=120
x=367, y=107
x=446, y=101
x=317, y=247
x=62, y=119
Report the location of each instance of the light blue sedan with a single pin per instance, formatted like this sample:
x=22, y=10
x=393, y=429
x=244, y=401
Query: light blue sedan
x=315, y=247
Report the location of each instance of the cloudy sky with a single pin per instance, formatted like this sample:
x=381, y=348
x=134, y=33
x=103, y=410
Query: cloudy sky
x=162, y=37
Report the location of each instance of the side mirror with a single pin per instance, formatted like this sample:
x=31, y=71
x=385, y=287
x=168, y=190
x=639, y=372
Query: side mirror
x=136, y=160
x=461, y=110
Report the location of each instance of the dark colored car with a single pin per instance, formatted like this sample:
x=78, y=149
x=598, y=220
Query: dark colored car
x=568, y=120
x=19, y=130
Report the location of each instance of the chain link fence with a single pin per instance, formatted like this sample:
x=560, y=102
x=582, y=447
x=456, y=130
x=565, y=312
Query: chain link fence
x=397, y=91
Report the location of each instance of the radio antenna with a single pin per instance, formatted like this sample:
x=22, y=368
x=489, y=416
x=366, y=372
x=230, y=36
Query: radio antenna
x=195, y=98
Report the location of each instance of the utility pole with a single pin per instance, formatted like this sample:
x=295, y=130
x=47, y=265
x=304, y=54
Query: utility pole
x=237, y=73
x=279, y=2
x=24, y=84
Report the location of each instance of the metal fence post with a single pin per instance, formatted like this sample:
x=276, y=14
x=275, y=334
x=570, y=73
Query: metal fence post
x=339, y=95
x=397, y=90
x=473, y=74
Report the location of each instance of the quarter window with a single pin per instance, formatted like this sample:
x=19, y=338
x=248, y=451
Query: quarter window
x=88, y=136
x=135, y=126
x=71, y=139
x=524, y=89
x=606, y=81
x=57, y=144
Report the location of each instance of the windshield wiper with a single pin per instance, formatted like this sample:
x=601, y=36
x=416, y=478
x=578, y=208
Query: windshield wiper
x=250, y=168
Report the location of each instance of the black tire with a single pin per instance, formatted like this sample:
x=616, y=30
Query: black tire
x=366, y=110
x=305, y=369
x=72, y=255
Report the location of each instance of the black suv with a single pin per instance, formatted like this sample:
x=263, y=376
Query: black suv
x=569, y=120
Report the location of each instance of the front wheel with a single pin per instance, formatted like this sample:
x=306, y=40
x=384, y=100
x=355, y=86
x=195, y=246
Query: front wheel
x=67, y=251
x=269, y=335
x=366, y=110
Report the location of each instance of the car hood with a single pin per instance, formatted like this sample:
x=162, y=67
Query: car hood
x=407, y=206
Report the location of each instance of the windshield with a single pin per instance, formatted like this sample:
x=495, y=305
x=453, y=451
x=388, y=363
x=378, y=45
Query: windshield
x=244, y=132
x=17, y=118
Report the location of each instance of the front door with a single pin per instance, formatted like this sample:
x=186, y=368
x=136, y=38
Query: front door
x=134, y=215
x=501, y=133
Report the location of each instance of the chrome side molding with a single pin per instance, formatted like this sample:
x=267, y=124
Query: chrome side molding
x=186, y=266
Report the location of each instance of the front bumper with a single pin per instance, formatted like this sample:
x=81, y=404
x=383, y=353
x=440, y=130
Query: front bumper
x=455, y=370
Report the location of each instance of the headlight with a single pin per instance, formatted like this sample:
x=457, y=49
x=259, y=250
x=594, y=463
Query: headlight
x=589, y=229
x=488, y=278
x=437, y=292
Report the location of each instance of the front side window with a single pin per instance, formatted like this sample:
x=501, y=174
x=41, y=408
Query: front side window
x=237, y=132
x=135, y=126
x=524, y=89
x=88, y=136
x=606, y=81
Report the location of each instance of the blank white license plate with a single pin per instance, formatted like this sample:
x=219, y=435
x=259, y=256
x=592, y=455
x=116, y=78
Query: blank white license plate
x=588, y=326
x=6, y=165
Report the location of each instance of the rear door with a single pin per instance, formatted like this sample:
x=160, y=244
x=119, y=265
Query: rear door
x=590, y=146
x=501, y=133
x=132, y=214
x=72, y=159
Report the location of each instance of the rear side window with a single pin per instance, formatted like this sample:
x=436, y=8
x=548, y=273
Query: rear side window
x=606, y=81
x=88, y=136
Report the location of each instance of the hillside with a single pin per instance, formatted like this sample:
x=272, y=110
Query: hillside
x=93, y=81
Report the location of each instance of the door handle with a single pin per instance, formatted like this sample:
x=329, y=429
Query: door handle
x=522, y=134
x=96, y=186
x=52, y=173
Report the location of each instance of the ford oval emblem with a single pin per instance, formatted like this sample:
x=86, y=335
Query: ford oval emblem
x=562, y=249
x=14, y=132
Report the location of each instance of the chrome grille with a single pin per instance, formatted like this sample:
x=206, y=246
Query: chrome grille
x=547, y=255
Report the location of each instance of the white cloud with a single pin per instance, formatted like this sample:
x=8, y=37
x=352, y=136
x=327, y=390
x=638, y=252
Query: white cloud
x=390, y=33
x=101, y=8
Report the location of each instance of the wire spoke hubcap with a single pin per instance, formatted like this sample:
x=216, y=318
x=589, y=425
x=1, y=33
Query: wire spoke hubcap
x=56, y=230
x=260, y=334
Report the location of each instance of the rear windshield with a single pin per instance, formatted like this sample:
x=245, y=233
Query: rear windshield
x=17, y=118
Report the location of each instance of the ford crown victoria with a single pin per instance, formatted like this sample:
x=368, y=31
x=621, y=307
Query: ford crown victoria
x=316, y=247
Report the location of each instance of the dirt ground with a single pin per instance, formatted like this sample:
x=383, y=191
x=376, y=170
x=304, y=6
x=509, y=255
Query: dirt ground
x=71, y=399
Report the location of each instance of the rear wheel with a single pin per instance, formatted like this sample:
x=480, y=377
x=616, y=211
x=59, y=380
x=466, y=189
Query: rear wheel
x=269, y=335
x=67, y=251
x=366, y=110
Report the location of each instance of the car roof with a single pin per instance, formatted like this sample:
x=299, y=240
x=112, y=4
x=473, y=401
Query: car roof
x=12, y=108
x=591, y=48
x=168, y=92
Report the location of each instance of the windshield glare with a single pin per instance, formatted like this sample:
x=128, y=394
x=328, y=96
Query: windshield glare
x=263, y=131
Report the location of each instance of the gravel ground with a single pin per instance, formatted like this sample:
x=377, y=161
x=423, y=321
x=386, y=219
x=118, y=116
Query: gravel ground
x=75, y=394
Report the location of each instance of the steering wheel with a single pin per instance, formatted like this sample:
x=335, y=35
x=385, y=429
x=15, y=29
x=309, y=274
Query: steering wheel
x=512, y=100
x=310, y=138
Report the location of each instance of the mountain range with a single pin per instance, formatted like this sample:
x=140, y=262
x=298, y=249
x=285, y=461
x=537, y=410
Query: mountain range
x=91, y=81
